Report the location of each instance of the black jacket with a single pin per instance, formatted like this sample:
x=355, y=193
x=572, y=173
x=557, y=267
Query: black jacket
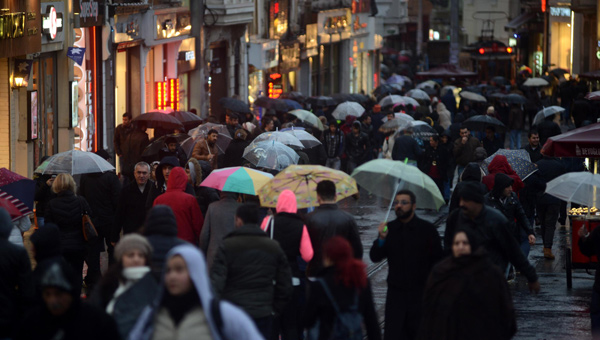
x=548, y=169
x=319, y=307
x=357, y=147
x=65, y=211
x=513, y=211
x=323, y=223
x=547, y=129
x=101, y=191
x=406, y=147
x=43, y=195
x=234, y=153
x=472, y=173
x=287, y=231
x=492, y=232
x=536, y=154
x=131, y=212
x=440, y=156
x=243, y=272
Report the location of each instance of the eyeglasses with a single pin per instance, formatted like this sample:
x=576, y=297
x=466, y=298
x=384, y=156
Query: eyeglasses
x=403, y=202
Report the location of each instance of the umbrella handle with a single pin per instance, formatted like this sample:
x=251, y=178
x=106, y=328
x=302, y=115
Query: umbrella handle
x=392, y=200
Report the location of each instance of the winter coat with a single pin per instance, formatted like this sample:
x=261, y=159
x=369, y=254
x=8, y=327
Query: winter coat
x=43, y=195
x=467, y=298
x=319, y=308
x=326, y=221
x=194, y=325
x=499, y=165
x=590, y=246
x=131, y=211
x=179, y=154
x=492, y=232
x=491, y=146
x=464, y=153
x=357, y=146
x=65, y=211
x=219, y=221
x=472, y=173
x=131, y=146
x=406, y=147
x=184, y=206
x=439, y=156
x=202, y=150
x=536, y=154
x=534, y=187
x=234, y=153
x=445, y=119
x=334, y=144
x=101, y=191
x=548, y=169
x=513, y=211
x=159, y=186
x=516, y=119
x=161, y=232
x=236, y=324
x=252, y=271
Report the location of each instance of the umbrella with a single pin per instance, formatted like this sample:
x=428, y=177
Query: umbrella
x=348, y=109
x=480, y=122
x=295, y=96
x=497, y=95
x=10, y=208
x=428, y=83
x=159, y=143
x=237, y=179
x=159, y=120
x=514, y=98
x=546, y=112
x=384, y=177
x=395, y=99
x=270, y=155
x=472, y=96
x=308, y=117
x=75, y=162
x=359, y=98
x=400, y=121
x=418, y=94
x=19, y=190
x=580, y=142
x=559, y=72
x=536, y=82
x=302, y=180
x=199, y=133
x=473, y=88
x=278, y=136
x=292, y=104
x=234, y=105
x=422, y=129
x=321, y=101
x=395, y=79
x=447, y=88
x=594, y=96
x=519, y=161
x=188, y=119
x=500, y=80
x=270, y=103
x=386, y=89
x=525, y=68
x=308, y=140
x=342, y=97
x=577, y=187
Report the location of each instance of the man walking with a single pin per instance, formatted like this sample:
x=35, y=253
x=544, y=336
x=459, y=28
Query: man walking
x=218, y=222
x=333, y=141
x=206, y=149
x=131, y=212
x=357, y=147
x=548, y=206
x=464, y=149
x=412, y=247
x=130, y=142
x=533, y=148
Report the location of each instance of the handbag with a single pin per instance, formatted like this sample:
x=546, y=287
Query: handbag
x=90, y=234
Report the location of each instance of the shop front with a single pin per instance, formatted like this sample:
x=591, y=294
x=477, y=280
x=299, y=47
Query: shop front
x=289, y=65
x=334, y=31
x=364, y=59
x=560, y=37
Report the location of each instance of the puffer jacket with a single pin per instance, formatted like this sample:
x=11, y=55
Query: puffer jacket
x=510, y=207
x=185, y=207
x=499, y=165
x=65, y=211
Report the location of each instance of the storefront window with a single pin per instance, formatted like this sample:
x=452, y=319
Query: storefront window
x=44, y=81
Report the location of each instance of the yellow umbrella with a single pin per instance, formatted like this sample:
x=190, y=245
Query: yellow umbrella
x=302, y=180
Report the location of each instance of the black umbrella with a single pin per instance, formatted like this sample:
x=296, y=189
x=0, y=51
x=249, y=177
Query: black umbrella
x=515, y=98
x=154, y=148
x=270, y=103
x=558, y=72
x=480, y=122
x=360, y=98
x=188, y=119
x=294, y=95
x=385, y=89
x=234, y=105
x=496, y=95
x=321, y=101
x=342, y=97
x=159, y=120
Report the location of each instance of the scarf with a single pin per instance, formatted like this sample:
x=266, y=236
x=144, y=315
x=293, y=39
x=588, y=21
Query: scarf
x=131, y=275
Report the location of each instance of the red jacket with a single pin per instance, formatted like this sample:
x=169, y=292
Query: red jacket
x=500, y=165
x=185, y=206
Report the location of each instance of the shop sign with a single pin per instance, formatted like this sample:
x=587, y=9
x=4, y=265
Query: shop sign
x=20, y=28
x=274, y=87
x=334, y=21
x=290, y=57
x=172, y=25
x=358, y=25
x=560, y=12
x=127, y=28
x=52, y=22
x=91, y=12
x=312, y=34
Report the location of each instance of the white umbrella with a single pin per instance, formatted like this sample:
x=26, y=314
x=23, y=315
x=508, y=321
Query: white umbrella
x=577, y=187
x=400, y=121
x=308, y=117
x=418, y=94
x=348, y=109
x=74, y=162
x=278, y=136
x=546, y=112
x=472, y=96
x=308, y=140
x=428, y=83
x=270, y=155
x=535, y=82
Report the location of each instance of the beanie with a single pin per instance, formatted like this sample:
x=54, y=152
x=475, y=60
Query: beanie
x=471, y=191
x=130, y=242
x=161, y=221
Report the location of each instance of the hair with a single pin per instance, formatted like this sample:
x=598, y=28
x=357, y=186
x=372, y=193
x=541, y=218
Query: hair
x=463, y=126
x=348, y=270
x=413, y=197
x=326, y=189
x=64, y=182
x=127, y=114
x=248, y=213
x=435, y=138
x=211, y=131
x=532, y=132
x=266, y=120
x=142, y=164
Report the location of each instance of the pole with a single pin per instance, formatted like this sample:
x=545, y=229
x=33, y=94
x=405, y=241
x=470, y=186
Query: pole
x=392, y=200
x=454, y=45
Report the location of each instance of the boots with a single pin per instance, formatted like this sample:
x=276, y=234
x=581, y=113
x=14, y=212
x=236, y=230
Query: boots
x=548, y=253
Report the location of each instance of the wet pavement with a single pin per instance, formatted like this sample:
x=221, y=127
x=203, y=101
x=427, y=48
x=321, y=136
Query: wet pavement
x=555, y=313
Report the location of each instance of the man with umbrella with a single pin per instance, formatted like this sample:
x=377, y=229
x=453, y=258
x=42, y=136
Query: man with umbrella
x=173, y=149
x=206, y=150
x=131, y=147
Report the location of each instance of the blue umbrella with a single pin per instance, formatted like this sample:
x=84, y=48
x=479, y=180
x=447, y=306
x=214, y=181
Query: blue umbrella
x=292, y=104
x=519, y=161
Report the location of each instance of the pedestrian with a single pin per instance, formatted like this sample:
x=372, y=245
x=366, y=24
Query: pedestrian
x=43, y=195
x=406, y=147
x=131, y=147
x=548, y=128
x=333, y=141
x=581, y=111
x=444, y=114
x=16, y=285
x=589, y=245
x=466, y=296
x=464, y=149
x=251, y=271
x=472, y=173
x=449, y=101
x=46, y=248
x=122, y=131
x=197, y=171
x=235, y=150
x=357, y=147
x=232, y=122
x=66, y=211
x=128, y=287
x=500, y=165
x=219, y=221
x=162, y=177
x=185, y=307
x=533, y=148
x=490, y=229
x=63, y=315
x=185, y=206
x=326, y=221
x=548, y=206
x=516, y=122
x=491, y=143
x=412, y=247
x=172, y=148
x=206, y=149
x=287, y=228
x=342, y=287
x=434, y=162
x=131, y=210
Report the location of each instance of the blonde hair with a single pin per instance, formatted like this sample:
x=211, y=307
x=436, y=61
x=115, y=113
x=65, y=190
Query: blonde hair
x=64, y=182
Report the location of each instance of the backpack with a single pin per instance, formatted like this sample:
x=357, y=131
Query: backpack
x=347, y=324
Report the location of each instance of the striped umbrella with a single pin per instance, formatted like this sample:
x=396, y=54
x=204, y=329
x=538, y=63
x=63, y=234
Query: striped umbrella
x=18, y=190
x=237, y=179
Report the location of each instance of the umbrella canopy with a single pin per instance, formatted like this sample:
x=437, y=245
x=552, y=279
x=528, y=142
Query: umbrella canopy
x=395, y=79
x=270, y=155
x=546, y=112
x=400, y=121
x=308, y=140
x=348, y=109
x=577, y=187
x=237, y=179
x=418, y=94
x=295, y=96
x=497, y=95
x=359, y=98
x=292, y=104
x=308, y=117
x=594, y=96
x=384, y=177
x=342, y=97
x=472, y=96
x=10, y=208
x=480, y=122
x=159, y=120
x=395, y=99
x=274, y=104
x=536, y=82
x=188, y=119
x=321, y=101
x=580, y=142
x=559, y=72
x=428, y=83
x=519, y=161
x=75, y=162
x=446, y=89
x=514, y=98
x=159, y=143
x=199, y=133
x=302, y=180
x=386, y=89
x=422, y=129
x=234, y=105
x=19, y=190
x=278, y=136
x=500, y=80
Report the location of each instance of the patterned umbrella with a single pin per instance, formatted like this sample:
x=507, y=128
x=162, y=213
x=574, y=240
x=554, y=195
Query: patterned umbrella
x=302, y=180
x=519, y=161
x=10, y=208
x=348, y=109
x=270, y=155
x=18, y=190
x=237, y=179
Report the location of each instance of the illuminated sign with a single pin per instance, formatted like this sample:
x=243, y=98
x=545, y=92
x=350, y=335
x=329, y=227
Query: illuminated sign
x=52, y=22
x=560, y=12
x=336, y=23
x=359, y=25
x=274, y=88
x=12, y=25
x=167, y=94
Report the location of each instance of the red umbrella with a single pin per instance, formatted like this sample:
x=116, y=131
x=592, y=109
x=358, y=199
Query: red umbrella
x=12, y=210
x=593, y=96
x=581, y=142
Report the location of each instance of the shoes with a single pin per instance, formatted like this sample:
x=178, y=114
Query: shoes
x=548, y=254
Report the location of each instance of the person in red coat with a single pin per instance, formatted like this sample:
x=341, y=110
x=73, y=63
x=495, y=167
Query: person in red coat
x=185, y=206
x=499, y=165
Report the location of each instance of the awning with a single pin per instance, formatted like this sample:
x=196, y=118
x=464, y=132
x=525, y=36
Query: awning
x=517, y=22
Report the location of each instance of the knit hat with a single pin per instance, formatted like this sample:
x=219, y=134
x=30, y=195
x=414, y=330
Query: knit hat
x=161, y=221
x=480, y=154
x=471, y=191
x=490, y=110
x=130, y=242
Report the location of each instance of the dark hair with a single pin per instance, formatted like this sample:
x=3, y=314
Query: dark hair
x=348, y=270
x=532, y=132
x=326, y=189
x=413, y=197
x=127, y=114
x=491, y=128
x=170, y=140
x=248, y=213
x=463, y=126
x=436, y=138
x=211, y=131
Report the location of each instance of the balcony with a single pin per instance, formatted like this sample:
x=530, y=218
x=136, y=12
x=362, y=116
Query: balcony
x=228, y=12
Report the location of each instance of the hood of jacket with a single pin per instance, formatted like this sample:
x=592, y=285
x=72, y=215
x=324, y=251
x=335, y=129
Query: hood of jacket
x=6, y=225
x=500, y=165
x=161, y=221
x=169, y=160
x=195, y=171
x=501, y=181
x=472, y=172
x=177, y=180
x=287, y=202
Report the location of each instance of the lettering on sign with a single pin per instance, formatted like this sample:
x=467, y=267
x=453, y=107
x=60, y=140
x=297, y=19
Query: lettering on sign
x=88, y=9
x=12, y=25
x=586, y=151
x=560, y=11
x=52, y=22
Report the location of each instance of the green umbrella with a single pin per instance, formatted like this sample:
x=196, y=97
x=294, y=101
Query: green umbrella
x=384, y=177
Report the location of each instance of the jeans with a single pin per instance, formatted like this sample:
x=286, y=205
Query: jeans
x=515, y=139
x=548, y=214
x=333, y=163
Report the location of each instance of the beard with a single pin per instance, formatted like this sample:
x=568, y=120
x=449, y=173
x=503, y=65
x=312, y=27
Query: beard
x=403, y=214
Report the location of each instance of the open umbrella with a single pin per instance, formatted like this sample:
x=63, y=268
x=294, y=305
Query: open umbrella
x=384, y=177
x=536, y=82
x=474, y=97
x=422, y=129
x=395, y=79
x=19, y=190
x=75, y=162
x=418, y=94
x=308, y=117
x=386, y=89
x=308, y=140
x=199, y=133
x=593, y=96
x=270, y=155
x=302, y=180
x=10, y=208
x=497, y=95
x=348, y=109
x=396, y=99
x=159, y=143
x=278, y=136
x=270, y=103
x=237, y=179
x=234, y=105
x=546, y=112
x=580, y=142
x=295, y=96
x=519, y=161
x=292, y=104
x=400, y=121
x=577, y=187
x=159, y=120
x=359, y=98
x=559, y=72
x=321, y=101
x=500, y=80
x=514, y=98
x=188, y=119
x=342, y=97
x=428, y=83
x=480, y=122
